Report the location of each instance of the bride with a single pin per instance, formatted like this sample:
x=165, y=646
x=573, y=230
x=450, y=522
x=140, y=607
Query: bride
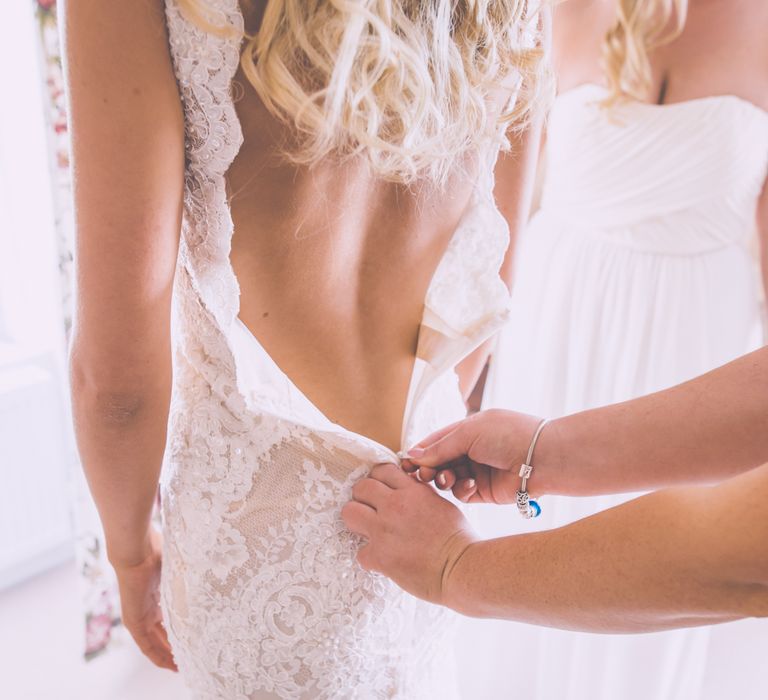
x=286, y=243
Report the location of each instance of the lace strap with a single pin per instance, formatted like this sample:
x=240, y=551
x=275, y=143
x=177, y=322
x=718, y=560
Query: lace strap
x=205, y=65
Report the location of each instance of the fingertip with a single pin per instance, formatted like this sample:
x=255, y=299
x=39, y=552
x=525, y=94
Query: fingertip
x=426, y=474
x=465, y=489
x=423, y=457
x=445, y=479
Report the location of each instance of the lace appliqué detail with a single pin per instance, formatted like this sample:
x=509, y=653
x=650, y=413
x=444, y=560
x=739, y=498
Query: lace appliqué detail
x=261, y=592
x=205, y=65
x=296, y=614
x=466, y=291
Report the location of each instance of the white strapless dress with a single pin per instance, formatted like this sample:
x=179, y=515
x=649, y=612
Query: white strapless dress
x=634, y=275
x=261, y=593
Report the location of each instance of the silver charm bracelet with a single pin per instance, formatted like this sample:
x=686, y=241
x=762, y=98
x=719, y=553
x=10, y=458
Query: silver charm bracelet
x=529, y=508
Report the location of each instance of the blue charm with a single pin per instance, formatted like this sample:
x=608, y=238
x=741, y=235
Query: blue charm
x=536, y=507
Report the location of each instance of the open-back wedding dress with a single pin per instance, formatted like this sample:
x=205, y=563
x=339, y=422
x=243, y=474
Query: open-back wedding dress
x=261, y=593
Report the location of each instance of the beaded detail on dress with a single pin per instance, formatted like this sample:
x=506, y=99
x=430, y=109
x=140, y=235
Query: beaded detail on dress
x=261, y=594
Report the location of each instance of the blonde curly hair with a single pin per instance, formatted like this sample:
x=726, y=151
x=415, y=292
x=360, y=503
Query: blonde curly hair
x=640, y=27
x=407, y=84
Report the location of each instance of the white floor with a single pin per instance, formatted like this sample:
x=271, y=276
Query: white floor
x=41, y=643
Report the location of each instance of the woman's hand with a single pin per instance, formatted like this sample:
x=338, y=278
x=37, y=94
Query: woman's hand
x=415, y=536
x=479, y=458
x=139, y=586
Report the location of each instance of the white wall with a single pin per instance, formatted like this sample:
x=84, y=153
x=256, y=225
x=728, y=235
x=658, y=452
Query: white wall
x=36, y=447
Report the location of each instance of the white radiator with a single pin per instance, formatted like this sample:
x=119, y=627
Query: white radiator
x=35, y=521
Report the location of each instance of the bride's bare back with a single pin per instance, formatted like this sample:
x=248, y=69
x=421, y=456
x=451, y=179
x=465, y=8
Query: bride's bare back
x=333, y=266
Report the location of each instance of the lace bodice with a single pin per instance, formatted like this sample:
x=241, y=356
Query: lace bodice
x=261, y=592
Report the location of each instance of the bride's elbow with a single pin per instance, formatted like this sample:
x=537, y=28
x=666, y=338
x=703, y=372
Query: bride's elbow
x=109, y=394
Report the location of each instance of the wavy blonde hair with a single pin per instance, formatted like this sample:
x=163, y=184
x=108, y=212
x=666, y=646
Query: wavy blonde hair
x=640, y=27
x=407, y=84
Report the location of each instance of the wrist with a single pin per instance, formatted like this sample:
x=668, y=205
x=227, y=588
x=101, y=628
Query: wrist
x=452, y=584
x=548, y=465
x=124, y=555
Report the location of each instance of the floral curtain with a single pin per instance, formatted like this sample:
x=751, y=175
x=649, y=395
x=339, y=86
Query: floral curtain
x=100, y=598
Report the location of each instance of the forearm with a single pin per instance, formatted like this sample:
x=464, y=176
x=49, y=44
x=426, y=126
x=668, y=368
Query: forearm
x=678, y=558
x=121, y=437
x=702, y=431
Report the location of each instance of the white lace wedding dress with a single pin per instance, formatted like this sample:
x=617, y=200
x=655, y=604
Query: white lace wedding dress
x=635, y=274
x=261, y=593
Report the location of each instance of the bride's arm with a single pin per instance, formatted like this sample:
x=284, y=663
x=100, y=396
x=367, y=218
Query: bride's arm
x=127, y=150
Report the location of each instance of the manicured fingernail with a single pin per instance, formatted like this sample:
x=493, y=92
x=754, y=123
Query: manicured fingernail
x=415, y=452
x=470, y=483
